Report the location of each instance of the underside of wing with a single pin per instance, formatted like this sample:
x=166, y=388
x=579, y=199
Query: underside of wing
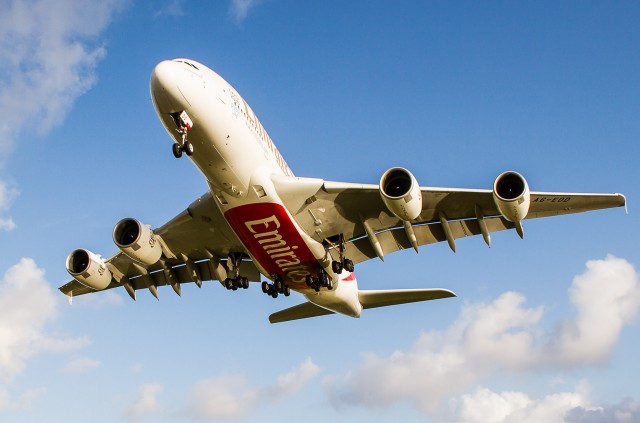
x=368, y=226
x=197, y=245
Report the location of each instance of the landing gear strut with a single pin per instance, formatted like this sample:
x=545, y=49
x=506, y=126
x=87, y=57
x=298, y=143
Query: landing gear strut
x=235, y=281
x=184, y=124
x=343, y=263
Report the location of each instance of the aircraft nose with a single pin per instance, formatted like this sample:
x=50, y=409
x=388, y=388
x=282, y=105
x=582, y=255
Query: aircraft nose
x=165, y=90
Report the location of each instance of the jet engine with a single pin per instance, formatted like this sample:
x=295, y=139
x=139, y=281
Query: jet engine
x=511, y=196
x=88, y=269
x=401, y=194
x=137, y=241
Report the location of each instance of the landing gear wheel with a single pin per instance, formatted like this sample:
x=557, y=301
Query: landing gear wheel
x=187, y=147
x=274, y=294
x=265, y=287
x=177, y=151
x=309, y=280
x=245, y=283
x=337, y=267
x=287, y=291
x=348, y=265
x=228, y=283
x=329, y=284
x=324, y=280
x=277, y=285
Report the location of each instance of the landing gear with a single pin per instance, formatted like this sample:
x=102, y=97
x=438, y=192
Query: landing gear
x=184, y=124
x=342, y=263
x=322, y=281
x=235, y=281
x=233, y=284
x=275, y=288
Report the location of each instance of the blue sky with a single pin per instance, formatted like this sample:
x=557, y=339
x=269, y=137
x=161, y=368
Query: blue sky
x=544, y=329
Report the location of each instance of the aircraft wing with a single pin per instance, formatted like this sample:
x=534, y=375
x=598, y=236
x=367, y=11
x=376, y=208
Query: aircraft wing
x=358, y=213
x=200, y=234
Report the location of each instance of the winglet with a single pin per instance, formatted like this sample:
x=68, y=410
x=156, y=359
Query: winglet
x=624, y=199
x=70, y=297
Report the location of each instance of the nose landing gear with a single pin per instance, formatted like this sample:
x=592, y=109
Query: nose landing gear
x=184, y=124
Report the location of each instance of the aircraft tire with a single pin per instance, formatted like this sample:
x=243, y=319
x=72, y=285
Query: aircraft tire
x=348, y=265
x=187, y=147
x=177, y=151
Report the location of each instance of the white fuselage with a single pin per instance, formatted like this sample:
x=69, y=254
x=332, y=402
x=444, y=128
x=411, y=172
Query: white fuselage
x=238, y=159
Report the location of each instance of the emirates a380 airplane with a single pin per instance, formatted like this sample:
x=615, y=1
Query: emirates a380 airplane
x=304, y=234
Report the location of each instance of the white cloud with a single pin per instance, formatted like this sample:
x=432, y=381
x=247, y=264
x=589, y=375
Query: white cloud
x=503, y=335
x=486, y=406
x=293, y=381
x=27, y=305
x=240, y=8
x=627, y=411
x=147, y=403
x=230, y=397
x=606, y=297
x=7, y=196
x=48, y=55
x=81, y=365
x=227, y=397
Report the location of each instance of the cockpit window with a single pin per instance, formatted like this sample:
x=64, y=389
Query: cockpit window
x=188, y=64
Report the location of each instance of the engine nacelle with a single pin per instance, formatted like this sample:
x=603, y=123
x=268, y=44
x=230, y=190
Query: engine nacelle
x=137, y=241
x=401, y=193
x=511, y=196
x=88, y=269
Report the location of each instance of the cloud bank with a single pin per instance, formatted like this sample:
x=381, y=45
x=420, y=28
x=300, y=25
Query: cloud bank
x=501, y=336
x=230, y=397
x=27, y=306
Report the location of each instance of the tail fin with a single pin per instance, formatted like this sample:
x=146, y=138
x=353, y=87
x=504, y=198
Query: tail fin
x=368, y=299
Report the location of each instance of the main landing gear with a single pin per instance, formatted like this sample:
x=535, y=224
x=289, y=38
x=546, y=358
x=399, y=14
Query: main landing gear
x=184, y=124
x=321, y=281
x=346, y=264
x=275, y=288
x=236, y=281
x=342, y=263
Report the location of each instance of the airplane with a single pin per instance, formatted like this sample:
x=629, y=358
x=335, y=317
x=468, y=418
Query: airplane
x=258, y=221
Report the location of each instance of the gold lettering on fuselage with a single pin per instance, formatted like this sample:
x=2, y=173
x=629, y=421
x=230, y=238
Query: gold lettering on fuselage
x=254, y=123
x=265, y=231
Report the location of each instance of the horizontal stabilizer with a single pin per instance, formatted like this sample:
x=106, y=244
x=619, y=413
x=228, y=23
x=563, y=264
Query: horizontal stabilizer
x=368, y=299
x=301, y=311
x=383, y=298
